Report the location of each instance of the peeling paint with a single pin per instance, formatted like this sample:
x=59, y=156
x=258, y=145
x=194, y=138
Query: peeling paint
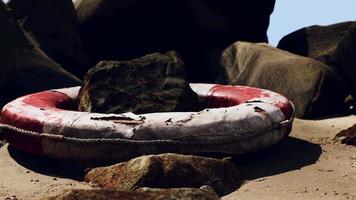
x=119, y=120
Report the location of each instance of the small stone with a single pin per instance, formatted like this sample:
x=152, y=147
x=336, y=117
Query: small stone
x=344, y=175
x=347, y=136
x=153, y=83
x=168, y=171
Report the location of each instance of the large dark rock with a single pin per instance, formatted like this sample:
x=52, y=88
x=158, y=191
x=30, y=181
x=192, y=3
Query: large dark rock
x=198, y=29
x=54, y=26
x=153, y=83
x=142, y=194
x=168, y=171
x=317, y=42
x=24, y=67
x=312, y=86
x=344, y=60
x=334, y=45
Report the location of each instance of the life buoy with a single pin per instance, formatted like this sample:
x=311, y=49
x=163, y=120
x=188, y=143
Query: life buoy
x=237, y=120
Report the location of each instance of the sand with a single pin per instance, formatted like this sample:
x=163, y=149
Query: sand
x=307, y=165
x=24, y=177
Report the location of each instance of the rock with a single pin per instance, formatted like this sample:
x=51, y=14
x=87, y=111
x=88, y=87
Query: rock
x=333, y=45
x=317, y=42
x=203, y=193
x=24, y=67
x=142, y=194
x=168, y=171
x=54, y=26
x=139, y=172
x=198, y=29
x=153, y=83
x=312, y=86
x=343, y=59
x=347, y=136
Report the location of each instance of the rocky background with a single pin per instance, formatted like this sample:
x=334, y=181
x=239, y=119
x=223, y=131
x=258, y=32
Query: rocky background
x=216, y=42
x=161, y=46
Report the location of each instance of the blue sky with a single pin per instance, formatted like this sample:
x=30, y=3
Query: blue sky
x=290, y=15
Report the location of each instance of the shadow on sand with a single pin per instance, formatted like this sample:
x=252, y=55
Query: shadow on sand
x=290, y=154
x=47, y=166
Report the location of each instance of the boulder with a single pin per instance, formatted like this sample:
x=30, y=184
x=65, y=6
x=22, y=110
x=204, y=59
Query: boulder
x=142, y=194
x=312, y=86
x=168, y=171
x=317, y=42
x=198, y=29
x=153, y=83
x=53, y=25
x=347, y=136
x=334, y=45
x=343, y=58
x=24, y=68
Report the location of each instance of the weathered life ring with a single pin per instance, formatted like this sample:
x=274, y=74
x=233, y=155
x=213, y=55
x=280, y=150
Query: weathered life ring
x=238, y=119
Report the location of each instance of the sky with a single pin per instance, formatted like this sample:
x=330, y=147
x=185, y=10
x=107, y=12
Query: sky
x=290, y=15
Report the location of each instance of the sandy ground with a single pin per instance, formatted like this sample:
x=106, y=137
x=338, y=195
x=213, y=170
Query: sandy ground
x=307, y=165
x=23, y=177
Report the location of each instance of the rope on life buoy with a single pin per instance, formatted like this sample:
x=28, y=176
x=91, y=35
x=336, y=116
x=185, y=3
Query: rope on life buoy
x=120, y=141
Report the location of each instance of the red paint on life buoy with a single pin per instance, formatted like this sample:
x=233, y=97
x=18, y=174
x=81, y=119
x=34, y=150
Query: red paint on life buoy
x=225, y=96
x=48, y=100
